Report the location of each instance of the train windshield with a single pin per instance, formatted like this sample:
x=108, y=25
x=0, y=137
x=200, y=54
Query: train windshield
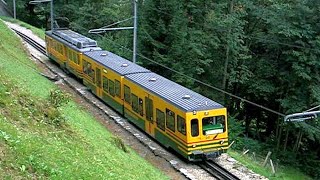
x=213, y=125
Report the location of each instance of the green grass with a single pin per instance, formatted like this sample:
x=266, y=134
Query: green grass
x=285, y=173
x=38, y=32
x=31, y=147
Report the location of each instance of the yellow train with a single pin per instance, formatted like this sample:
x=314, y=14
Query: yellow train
x=178, y=118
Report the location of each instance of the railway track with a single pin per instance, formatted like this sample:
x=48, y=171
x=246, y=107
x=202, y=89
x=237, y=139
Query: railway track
x=32, y=42
x=211, y=167
x=217, y=171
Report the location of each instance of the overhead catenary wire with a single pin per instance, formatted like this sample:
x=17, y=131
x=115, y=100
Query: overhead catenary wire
x=316, y=107
x=201, y=82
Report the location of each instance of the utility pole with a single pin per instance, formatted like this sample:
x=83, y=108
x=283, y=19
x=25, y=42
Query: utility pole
x=51, y=15
x=14, y=9
x=134, y=28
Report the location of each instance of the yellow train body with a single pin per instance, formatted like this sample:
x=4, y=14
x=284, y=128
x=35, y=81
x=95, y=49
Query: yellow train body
x=196, y=134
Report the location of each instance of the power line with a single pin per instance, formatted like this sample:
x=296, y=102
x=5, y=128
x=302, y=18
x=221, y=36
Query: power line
x=203, y=83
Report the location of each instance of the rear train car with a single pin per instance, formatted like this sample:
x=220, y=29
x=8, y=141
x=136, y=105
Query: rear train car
x=66, y=47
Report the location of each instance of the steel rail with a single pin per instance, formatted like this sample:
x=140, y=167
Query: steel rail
x=217, y=171
x=32, y=42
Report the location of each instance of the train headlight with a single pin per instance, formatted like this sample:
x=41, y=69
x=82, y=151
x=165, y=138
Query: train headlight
x=194, y=145
x=194, y=112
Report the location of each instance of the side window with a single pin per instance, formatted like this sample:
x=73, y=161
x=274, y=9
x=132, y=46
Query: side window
x=127, y=94
x=181, y=125
x=92, y=75
x=194, y=128
x=87, y=69
x=135, y=105
x=149, y=109
x=61, y=49
x=111, y=87
x=140, y=109
x=117, y=88
x=69, y=54
x=84, y=66
x=75, y=58
x=105, y=84
x=160, y=119
x=170, y=123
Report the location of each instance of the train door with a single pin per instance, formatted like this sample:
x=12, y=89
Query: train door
x=149, y=114
x=98, y=82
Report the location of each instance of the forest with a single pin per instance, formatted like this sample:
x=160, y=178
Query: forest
x=264, y=51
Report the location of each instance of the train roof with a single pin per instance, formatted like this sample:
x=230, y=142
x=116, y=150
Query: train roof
x=74, y=40
x=173, y=93
x=115, y=62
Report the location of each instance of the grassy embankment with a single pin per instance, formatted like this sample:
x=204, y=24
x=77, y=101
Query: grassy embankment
x=34, y=145
x=37, y=31
x=282, y=172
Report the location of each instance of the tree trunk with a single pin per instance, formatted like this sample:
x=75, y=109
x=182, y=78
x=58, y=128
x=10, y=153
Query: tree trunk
x=226, y=63
x=286, y=139
x=279, y=134
x=298, y=140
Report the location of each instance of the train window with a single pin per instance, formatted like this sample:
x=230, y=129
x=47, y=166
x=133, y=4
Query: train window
x=170, y=123
x=60, y=49
x=149, y=109
x=135, y=103
x=117, y=88
x=86, y=67
x=92, y=75
x=181, y=125
x=98, y=77
x=213, y=125
x=105, y=84
x=127, y=94
x=160, y=119
x=194, y=127
x=69, y=55
x=140, y=107
x=111, y=87
x=75, y=58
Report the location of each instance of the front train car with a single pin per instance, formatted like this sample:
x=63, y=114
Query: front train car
x=208, y=135
x=179, y=118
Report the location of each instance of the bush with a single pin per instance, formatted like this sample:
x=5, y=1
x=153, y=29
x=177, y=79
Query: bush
x=57, y=98
x=235, y=130
x=119, y=143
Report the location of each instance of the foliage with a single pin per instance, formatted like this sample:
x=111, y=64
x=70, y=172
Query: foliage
x=57, y=98
x=120, y=144
x=235, y=129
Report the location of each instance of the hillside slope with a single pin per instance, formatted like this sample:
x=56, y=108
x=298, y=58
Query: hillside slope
x=44, y=135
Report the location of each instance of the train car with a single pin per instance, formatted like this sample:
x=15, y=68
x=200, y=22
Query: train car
x=66, y=48
x=104, y=73
x=189, y=123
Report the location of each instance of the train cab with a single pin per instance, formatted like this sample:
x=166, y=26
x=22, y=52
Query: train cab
x=208, y=136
